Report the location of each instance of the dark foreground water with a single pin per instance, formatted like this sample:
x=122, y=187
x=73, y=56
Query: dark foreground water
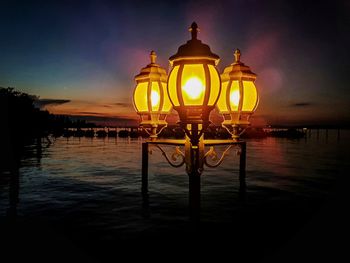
x=79, y=199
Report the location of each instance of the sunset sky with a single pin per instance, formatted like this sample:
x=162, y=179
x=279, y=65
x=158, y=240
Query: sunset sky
x=80, y=57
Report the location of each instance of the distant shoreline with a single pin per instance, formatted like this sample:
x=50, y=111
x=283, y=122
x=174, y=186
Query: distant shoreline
x=214, y=132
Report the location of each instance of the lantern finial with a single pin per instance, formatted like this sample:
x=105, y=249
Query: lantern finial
x=237, y=55
x=153, y=57
x=194, y=30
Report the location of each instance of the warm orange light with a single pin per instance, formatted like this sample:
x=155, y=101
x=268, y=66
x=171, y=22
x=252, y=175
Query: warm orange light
x=250, y=96
x=148, y=98
x=172, y=86
x=151, y=98
x=239, y=97
x=155, y=99
x=215, y=85
x=155, y=96
x=240, y=100
x=194, y=88
x=193, y=85
x=140, y=97
x=222, y=103
x=234, y=98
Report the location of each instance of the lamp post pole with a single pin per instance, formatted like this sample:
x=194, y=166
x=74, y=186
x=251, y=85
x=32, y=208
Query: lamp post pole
x=194, y=152
x=194, y=88
x=194, y=181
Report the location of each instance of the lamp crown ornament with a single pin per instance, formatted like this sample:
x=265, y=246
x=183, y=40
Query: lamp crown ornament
x=237, y=69
x=152, y=71
x=194, y=29
x=237, y=55
x=194, y=48
x=153, y=57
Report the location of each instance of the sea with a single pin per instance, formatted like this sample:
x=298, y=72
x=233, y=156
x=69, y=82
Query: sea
x=80, y=199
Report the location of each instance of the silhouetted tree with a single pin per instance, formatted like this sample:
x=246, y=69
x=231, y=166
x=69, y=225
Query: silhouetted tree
x=20, y=117
x=21, y=122
x=17, y=113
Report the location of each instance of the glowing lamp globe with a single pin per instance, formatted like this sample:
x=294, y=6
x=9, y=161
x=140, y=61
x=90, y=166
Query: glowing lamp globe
x=151, y=100
x=194, y=83
x=239, y=97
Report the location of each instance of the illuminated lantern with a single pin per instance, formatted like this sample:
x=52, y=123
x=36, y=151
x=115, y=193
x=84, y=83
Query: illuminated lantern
x=151, y=100
x=239, y=97
x=194, y=84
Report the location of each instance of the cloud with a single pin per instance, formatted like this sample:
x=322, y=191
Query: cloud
x=42, y=103
x=122, y=104
x=89, y=113
x=301, y=104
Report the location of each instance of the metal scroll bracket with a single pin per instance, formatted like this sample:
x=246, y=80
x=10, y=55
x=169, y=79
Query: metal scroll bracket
x=178, y=158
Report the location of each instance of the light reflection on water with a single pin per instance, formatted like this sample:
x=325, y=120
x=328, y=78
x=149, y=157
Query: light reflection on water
x=95, y=183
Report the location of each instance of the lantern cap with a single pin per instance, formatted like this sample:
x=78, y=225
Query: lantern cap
x=194, y=48
x=238, y=70
x=152, y=71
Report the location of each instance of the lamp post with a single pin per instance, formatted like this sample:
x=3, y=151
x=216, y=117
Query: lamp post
x=239, y=98
x=150, y=99
x=194, y=89
x=194, y=85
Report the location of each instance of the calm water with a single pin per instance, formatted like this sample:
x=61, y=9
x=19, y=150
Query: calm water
x=88, y=190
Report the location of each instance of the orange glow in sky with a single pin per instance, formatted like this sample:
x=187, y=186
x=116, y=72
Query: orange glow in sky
x=98, y=109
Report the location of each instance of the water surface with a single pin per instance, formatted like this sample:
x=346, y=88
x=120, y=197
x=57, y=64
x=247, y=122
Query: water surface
x=87, y=192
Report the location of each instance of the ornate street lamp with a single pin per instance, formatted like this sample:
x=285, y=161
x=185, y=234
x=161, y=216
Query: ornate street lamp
x=194, y=88
x=239, y=97
x=194, y=85
x=151, y=100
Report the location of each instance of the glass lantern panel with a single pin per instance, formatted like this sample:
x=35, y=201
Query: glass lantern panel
x=221, y=104
x=193, y=84
x=250, y=96
x=172, y=86
x=214, y=85
x=140, y=97
x=167, y=104
x=234, y=95
x=155, y=96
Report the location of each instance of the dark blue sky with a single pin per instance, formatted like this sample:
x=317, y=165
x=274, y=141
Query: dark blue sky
x=87, y=52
